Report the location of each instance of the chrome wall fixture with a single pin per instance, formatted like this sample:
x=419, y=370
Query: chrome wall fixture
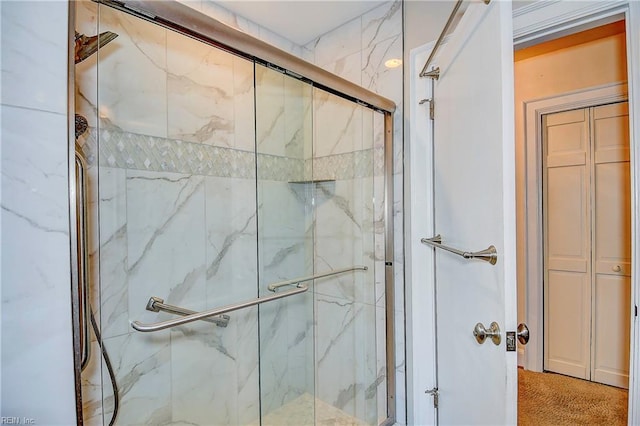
x=273, y=287
x=488, y=255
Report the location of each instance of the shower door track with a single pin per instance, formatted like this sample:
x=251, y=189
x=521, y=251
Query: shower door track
x=190, y=22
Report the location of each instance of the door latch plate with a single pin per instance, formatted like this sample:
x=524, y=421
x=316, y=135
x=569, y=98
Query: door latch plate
x=511, y=341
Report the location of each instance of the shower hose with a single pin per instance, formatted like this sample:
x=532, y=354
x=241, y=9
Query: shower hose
x=107, y=361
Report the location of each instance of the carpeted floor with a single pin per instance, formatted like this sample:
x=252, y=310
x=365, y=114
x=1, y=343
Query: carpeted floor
x=554, y=399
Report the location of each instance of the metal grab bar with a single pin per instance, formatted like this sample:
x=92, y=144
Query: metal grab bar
x=274, y=286
x=155, y=304
x=217, y=311
x=83, y=258
x=424, y=71
x=436, y=73
x=489, y=254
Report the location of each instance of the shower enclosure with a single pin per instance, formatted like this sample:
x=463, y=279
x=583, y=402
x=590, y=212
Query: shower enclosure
x=215, y=178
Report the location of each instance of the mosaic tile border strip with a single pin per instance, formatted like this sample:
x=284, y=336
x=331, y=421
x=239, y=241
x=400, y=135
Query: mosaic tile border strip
x=126, y=150
x=350, y=165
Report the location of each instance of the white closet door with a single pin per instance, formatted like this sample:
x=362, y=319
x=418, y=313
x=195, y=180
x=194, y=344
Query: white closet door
x=612, y=245
x=567, y=227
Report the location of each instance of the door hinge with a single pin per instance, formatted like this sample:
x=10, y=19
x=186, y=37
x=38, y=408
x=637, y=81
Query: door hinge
x=636, y=310
x=432, y=107
x=435, y=394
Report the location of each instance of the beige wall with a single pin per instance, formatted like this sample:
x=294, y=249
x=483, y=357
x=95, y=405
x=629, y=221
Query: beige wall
x=588, y=59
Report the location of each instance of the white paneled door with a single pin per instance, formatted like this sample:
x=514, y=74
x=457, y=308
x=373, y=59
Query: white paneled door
x=587, y=228
x=474, y=205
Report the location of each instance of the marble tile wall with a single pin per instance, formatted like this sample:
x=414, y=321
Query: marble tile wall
x=36, y=360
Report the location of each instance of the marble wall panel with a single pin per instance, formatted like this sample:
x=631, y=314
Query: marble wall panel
x=231, y=240
x=203, y=374
x=35, y=268
x=243, y=104
x=247, y=365
x=276, y=379
x=348, y=67
x=343, y=41
x=345, y=357
x=298, y=125
x=166, y=241
x=33, y=57
x=113, y=282
x=381, y=23
x=344, y=134
x=270, y=111
x=200, y=92
x=131, y=98
x=143, y=365
x=344, y=237
x=92, y=388
x=379, y=78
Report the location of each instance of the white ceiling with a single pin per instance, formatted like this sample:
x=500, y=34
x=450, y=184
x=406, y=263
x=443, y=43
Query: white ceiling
x=299, y=21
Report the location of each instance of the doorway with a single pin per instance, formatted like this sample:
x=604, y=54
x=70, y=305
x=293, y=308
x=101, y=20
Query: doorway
x=557, y=80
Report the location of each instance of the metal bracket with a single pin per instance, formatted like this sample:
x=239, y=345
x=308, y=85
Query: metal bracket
x=435, y=394
x=434, y=73
x=432, y=107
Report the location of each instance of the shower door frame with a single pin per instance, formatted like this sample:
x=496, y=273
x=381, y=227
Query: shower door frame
x=190, y=22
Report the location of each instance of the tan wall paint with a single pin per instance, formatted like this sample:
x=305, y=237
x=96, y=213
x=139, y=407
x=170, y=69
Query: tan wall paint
x=588, y=59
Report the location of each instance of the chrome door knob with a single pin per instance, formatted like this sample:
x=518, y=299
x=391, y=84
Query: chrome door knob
x=481, y=333
x=523, y=333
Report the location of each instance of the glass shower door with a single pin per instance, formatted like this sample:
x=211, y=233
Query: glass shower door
x=172, y=128
x=213, y=177
x=350, y=307
x=285, y=246
x=322, y=353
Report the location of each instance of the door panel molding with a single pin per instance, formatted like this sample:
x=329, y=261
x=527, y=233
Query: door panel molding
x=534, y=110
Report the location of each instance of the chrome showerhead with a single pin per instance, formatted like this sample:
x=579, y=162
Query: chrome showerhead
x=87, y=46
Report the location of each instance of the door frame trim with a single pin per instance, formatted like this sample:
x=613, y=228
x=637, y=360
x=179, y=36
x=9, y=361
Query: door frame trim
x=533, y=357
